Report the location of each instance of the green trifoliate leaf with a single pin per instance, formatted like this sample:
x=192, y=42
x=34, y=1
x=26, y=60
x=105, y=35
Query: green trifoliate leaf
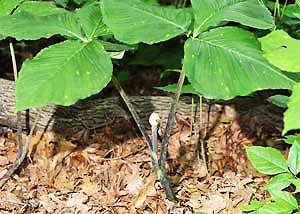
x=266, y=160
x=210, y=13
x=63, y=74
x=282, y=50
x=292, y=114
x=220, y=67
x=133, y=21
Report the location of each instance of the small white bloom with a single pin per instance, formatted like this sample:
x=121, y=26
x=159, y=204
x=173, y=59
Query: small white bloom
x=154, y=119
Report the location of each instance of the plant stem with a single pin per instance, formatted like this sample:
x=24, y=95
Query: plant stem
x=170, y=121
x=192, y=119
x=154, y=138
x=18, y=117
x=201, y=136
x=161, y=174
x=133, y=112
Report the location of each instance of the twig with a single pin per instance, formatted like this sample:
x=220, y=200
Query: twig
x=161, y=174
x=19, y=161
x=170, y=121
x=19, y=125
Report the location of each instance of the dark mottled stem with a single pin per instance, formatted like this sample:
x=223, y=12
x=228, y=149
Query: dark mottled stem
x=170, y=122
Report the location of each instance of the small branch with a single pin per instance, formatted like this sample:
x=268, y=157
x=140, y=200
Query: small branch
x=171, y=118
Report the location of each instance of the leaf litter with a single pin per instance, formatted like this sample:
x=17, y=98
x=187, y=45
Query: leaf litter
x=99, y=171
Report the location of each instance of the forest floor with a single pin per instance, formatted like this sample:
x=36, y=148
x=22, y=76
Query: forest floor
x=108, y=172
x=99, y=171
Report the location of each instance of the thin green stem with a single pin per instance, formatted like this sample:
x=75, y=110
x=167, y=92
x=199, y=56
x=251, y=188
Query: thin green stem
x=283, y=9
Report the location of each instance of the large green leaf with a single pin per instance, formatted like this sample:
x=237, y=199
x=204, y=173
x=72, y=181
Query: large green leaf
x=40, y=8
x=266, y=160
x=7, y=6
x=227, y=62
x=91, y=21
x=279, y=182
x=294, y=158
x=282, y=50
x=210, y=13
x=292, y=114
x=285, y=198
x=133, y=21
x=63, y=74
x=26, y=26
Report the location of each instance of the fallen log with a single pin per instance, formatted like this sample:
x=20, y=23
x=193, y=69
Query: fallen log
x=98, y=112
x=91, y=112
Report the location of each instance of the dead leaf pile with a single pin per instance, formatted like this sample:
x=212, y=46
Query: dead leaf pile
x=102, y=172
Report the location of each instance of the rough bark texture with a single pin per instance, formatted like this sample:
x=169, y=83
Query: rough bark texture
x=88, y=113
x=95, y=112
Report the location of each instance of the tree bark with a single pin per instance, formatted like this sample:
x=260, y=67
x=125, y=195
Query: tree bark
x=98, y=112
